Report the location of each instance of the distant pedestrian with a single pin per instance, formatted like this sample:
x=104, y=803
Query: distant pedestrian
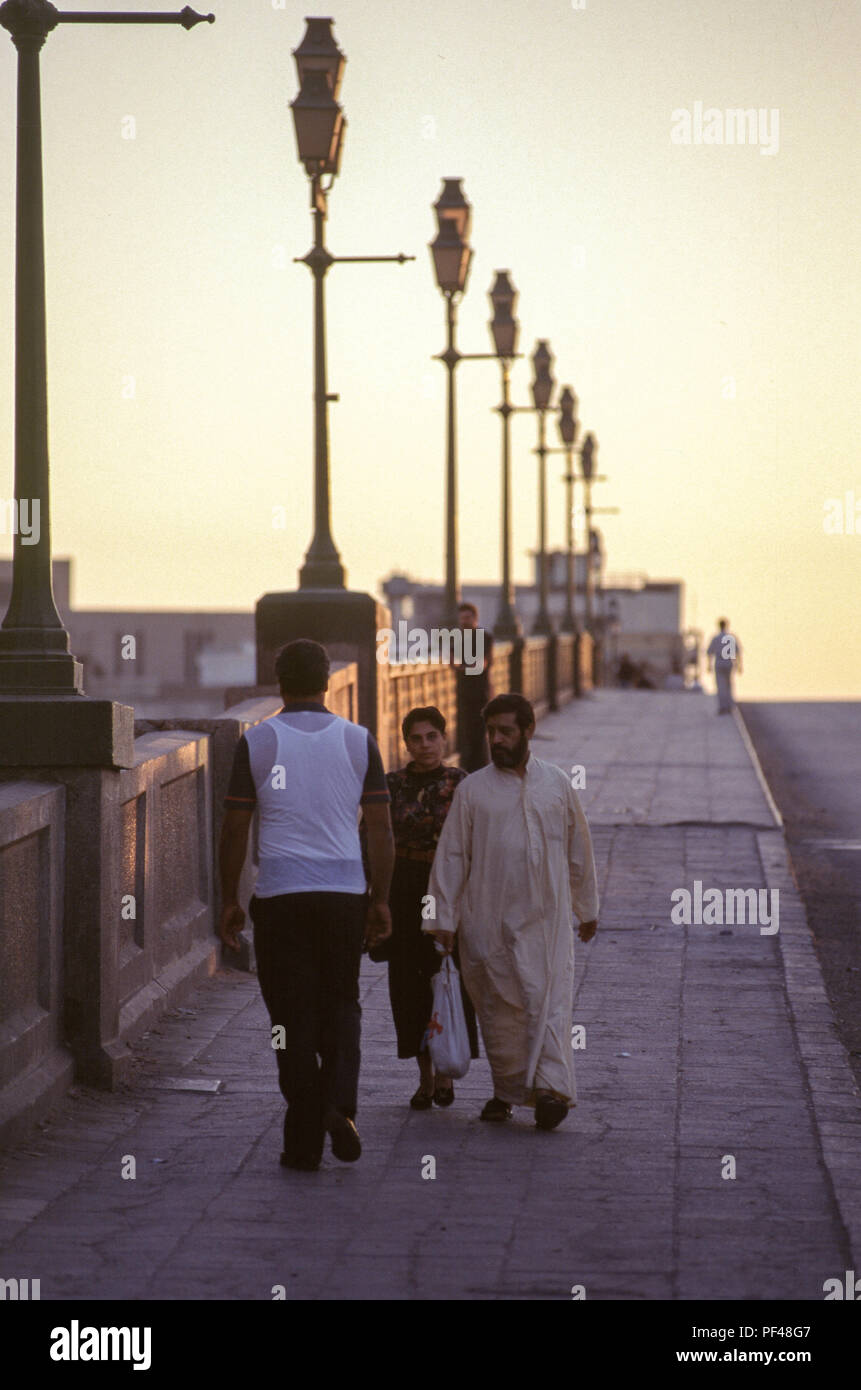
x=674, y=679
x=473, y=691
x=307, y=771
x=724, y=653
x=627, y=673
x=513, y=866
x=421, y=795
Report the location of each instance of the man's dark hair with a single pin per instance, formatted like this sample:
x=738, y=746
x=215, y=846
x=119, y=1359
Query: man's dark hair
x=518, y=705
x=470, y=607
x=428, y=714
x=722, y=624
x=302, y=668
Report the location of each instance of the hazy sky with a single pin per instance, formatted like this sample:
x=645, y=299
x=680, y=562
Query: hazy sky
x=702, y=299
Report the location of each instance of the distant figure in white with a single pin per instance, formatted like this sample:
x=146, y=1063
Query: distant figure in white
x=514, y=875
x=724, y=653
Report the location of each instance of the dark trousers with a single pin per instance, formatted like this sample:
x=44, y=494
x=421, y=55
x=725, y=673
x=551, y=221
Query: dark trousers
x=309, y=949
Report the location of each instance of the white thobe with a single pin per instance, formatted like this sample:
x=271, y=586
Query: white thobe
x=513, y=865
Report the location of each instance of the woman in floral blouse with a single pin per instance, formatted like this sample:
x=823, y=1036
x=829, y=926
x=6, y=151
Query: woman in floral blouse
x=421, y=798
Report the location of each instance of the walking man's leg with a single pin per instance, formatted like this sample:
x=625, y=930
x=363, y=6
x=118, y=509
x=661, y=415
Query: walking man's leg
x=287, y=948
x=342, y=931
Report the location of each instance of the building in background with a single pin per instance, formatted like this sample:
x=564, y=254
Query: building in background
x=168, y=662
x=177, y=663
x=637, y=617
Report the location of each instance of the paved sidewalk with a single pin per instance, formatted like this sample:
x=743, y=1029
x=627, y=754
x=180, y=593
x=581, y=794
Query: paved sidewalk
x=693, y=1053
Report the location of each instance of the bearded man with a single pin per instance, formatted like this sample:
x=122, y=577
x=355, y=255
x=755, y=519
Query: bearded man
x=513, y=865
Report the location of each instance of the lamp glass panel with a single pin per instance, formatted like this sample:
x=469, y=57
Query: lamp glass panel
x=504, y=333
x=449, y=256
x=542, y=390
x=315, y=130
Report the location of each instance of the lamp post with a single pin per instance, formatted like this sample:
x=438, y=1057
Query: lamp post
x=452, y=256
x=614, y=628
x=320, y=128
x=504, y=329
x=34, y=646
x=587, y=463
x=542, y=391
x=568, y=428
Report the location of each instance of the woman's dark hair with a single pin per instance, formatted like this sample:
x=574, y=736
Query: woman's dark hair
x=302, y=668
x=518, y=705
x=423, y=714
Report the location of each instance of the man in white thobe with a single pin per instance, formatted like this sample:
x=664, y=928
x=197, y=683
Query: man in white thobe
x=513, y=865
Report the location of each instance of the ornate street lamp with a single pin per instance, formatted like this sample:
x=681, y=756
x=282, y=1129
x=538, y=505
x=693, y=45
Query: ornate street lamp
x=542, y=392
x=568, y=428
x=452, y=257
x=587, y=463
x=504, y=329
x=320, y=127
x=35, y=660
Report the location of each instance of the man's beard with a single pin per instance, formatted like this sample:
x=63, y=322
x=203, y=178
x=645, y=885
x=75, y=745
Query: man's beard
x=510, y=757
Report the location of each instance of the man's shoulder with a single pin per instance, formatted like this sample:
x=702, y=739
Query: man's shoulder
x=552, y=774
x=475, y=783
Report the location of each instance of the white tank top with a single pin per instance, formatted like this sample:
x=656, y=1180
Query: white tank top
x=309, y=784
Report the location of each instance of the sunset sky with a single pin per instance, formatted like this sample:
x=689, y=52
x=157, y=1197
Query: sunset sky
x=702, y=299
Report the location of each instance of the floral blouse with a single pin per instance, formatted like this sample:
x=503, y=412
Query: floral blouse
x=420, y=803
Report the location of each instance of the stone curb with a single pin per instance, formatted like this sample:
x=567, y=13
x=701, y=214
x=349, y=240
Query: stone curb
x=834, y=1096
x=757, y=767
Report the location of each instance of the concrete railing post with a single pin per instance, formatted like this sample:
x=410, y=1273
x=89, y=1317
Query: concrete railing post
x=553, y=670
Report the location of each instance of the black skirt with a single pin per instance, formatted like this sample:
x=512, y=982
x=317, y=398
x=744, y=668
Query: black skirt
x=414, y=960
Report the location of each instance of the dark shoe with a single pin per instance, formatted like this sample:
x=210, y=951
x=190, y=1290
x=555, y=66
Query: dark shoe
x=550, y=1112
x=300, y=1150
x=443, y=1095
x=421, y=1101
x=496, y=1110
x=346, y=1144
x=305, y=1165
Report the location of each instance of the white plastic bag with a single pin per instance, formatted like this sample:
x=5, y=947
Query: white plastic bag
x=448, y=1040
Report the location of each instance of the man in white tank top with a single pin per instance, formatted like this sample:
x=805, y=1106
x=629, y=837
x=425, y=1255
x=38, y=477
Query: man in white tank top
x=306, y=772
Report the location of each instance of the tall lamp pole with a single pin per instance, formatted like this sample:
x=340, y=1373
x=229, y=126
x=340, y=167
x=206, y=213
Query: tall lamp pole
x=452, y=256
x=320, y=127
x=587, y=463
x=504, y=329
x=568, y=428
x=34, y=645
x=542, y=391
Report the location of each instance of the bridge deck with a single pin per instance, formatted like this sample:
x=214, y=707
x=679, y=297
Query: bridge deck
x=702, y=1042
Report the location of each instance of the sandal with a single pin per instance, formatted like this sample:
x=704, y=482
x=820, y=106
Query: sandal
x=444, y=1095
x=421, y=1100
x=496, y=1110
x=550, y=1111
